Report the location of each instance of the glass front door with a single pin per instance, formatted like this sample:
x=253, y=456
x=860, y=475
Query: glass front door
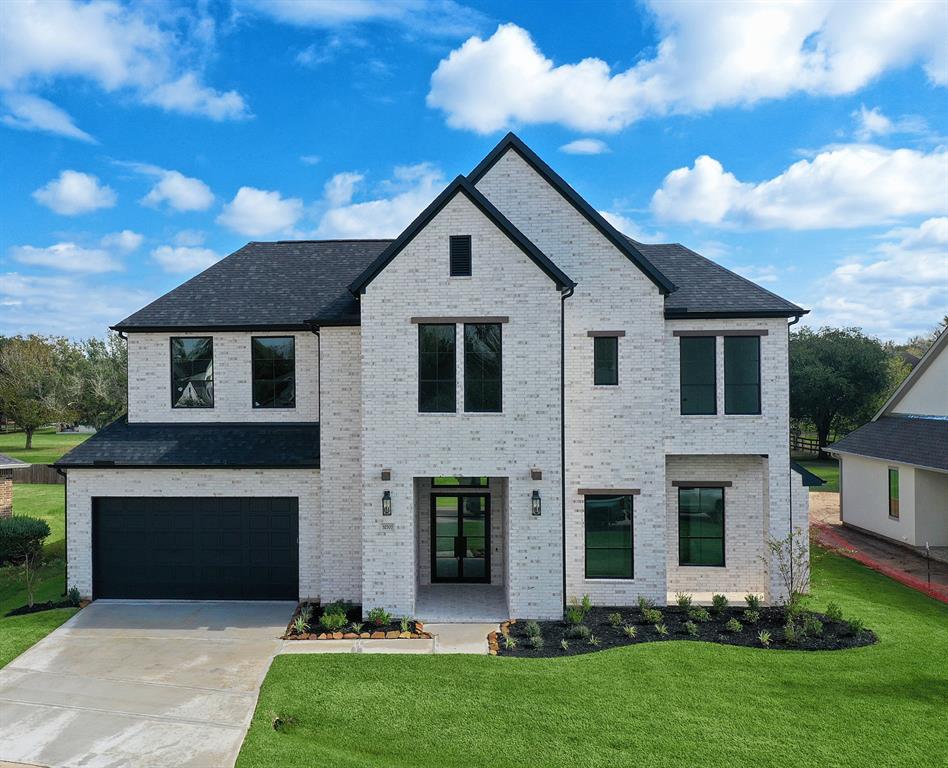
x=460, y=537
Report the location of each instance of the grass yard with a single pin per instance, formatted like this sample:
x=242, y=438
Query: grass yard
x=828, y=469
x=47, y=445
x=664, y=704
x=17, y=633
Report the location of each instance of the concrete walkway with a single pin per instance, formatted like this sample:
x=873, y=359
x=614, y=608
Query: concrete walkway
x=447, y=638
x=140, y=684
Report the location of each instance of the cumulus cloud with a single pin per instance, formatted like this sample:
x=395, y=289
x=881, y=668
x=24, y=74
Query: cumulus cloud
x=74, y=192
x=67, y=257
x=256, y=212
x=585, y=147
x=188, y=96
x=180, y=192
x=871, y=123
x=183, y=258
x=632, y=228
x=709, y=55
x=845, y=186
x=898, y=289
x=125, y=241
x=31, y=113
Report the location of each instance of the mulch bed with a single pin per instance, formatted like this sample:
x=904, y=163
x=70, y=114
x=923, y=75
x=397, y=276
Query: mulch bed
x=370, y=631
x=835, y=635
x=38, y=607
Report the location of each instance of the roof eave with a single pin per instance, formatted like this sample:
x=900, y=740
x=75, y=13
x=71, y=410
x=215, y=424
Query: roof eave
x=671, y=314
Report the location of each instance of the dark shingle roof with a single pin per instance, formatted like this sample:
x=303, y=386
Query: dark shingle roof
x=903, y=439
x=6, y=462
x=198, y=445
x=266, y=285
x=809, y=479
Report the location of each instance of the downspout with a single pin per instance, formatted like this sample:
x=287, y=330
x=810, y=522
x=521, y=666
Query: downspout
x=314, y=329
x=564, y=295
x=65, y=477
x=789, y=467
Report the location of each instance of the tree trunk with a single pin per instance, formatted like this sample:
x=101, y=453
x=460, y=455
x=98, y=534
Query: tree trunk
x=822, y=437
x=29, y=438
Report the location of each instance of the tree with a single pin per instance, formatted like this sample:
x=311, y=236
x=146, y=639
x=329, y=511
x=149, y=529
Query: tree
x=21, y=542
x=836, y=378
x=97, y=380
x=31, y=383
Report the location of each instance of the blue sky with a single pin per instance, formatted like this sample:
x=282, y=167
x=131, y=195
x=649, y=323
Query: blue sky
x=802, y=145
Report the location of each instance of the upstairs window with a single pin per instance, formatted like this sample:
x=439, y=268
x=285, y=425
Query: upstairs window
x=701, y=526
x=893, y=493
x=437, y=377
x=482, y=368
x=274, y=371
x=460, y=247
x=608, y=525
x=697, y=376
x=742, y=374
x=605, y=360
x=192, y=372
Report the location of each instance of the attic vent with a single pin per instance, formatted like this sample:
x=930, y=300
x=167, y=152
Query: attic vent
x=460, y=256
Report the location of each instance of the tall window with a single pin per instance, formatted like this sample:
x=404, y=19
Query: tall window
x=274, y=371
x=192, y=372
x=460, y=255
x=894, y=493
x=605, y=360
x=697, y=375
x=609, y=537
x=437, y=376
x=742, y=374
x=482, y=368
x=701, y=526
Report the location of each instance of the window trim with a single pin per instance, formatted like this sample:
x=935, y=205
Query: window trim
x=500, y=331
x=586, y=576
x=272, y=407
x=454, y=331
x=614, y=338
x=171, y=340
x=760, y=378
x=452, y=239
x=699, y=486
x=681, y=411
x=898, y=475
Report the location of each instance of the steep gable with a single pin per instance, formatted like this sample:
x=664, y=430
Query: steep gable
x=925, y=390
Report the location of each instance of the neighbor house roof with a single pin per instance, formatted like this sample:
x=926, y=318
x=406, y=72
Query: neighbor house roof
x=920, y=441
x=937, y=347
x=809, y=479
x=8, y=462
x=212, y=445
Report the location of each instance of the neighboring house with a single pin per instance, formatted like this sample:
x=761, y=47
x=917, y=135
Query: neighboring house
x=7, y=465
x=511, y=393
x=893, y=471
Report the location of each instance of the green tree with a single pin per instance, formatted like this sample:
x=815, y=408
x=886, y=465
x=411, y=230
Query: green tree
x=31, y=383
x=837, y=376
x=97, y=380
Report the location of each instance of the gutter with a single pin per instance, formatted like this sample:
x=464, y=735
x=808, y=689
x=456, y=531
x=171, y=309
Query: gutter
x=564, y=295
x=789, y=467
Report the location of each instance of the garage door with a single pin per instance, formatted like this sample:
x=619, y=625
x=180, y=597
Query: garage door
x=195, y=549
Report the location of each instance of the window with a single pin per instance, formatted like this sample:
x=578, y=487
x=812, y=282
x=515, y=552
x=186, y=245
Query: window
x=192, y=372
x=894, y=493
x=460, y=247
x=697, y=375
x=701, y=526
x=482, y=368
x=273, y=359
x=609, y=537
x=451, y=481
x=742, y=374
x=605, y=360
x=437, y=374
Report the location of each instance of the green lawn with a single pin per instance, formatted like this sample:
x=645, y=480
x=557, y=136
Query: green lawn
x=17, y=633
x=663, y=704
x=828, y=469
x=47, y=445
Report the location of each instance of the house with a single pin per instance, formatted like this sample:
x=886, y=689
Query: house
x=508, y=405
x=7, y=465
x=893, y=471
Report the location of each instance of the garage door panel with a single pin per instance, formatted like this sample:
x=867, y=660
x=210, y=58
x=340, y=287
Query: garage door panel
x=196, y=548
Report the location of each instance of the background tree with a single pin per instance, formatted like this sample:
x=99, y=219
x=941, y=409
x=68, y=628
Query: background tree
x=97, y=381
x=837, y=376
x=31, y=383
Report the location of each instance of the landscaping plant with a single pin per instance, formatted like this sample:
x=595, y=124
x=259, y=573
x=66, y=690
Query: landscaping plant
x=834, y=612
x=699, y=614
x=751, y=616
x=379, y=617
x=615, y=619
x=630, y=631
x=300, y=625
x=718, y=603
x=662, y=630
x=333, y=622
x=733, y=625
x=21, y=543
x=764, y=637
x=683, y=599
x=753, y=601
x=691, y=628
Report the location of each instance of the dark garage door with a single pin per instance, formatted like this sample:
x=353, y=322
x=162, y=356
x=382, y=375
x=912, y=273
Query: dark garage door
x=195, y=549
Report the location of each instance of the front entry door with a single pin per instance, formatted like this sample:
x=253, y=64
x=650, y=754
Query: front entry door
x=460, y=537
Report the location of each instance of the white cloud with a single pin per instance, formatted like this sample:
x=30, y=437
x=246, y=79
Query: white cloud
x=341, y=187
x=188, y=96
x=182, y=193
x=74, y=193
x=411, y=188
x=585, y=147
x=631, y=228
x=255, y=212
x=67, y=257
x=309, y=159
x=125, y=241
x=183, y=258
x=709, y=55
x=189, y=237
x=871, y=123
x=897, y=290
x=845, y=186
x=31, y=113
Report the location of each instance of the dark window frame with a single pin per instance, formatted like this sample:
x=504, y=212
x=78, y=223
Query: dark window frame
x=465, y=240
x=454, y=331
x=597, y=341
x=723, y=537
x=586, y=547
x=171, y=341
x=744, y=339
x=898, y=488
x=500, y=363
x=449, y=486
x=253, y=375
x=687, y=341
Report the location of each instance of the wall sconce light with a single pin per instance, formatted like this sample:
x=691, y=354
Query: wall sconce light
x=386, y=503
x=535, y=503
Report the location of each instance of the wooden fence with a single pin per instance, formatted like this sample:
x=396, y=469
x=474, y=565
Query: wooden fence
x=39, y=474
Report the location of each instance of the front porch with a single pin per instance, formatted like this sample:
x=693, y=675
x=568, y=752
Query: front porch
x=461, y=603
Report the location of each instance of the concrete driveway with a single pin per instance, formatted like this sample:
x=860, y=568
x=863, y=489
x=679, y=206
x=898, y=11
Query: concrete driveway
x=140, y=684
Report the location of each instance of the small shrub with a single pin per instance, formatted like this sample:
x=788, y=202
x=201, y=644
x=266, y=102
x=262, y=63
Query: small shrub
x=644, y=604
x=699, y=614
x=796, y=609
x=834, y=612
x=615, y=619
x=683, y=599
x=718, y=603
x=733, y=625
x=536, y=641
x=564, y=645
x=356, y=626
x=510, y=642
x=333, y=622
x=21, y=542
x=74, y=597
x=404, y=624
x=576, y=610
x=791, y=634
x=281, y=722
x=336, y=607
x=580, y=631
x=379, y=617
x=662, y=630
x=764, y=638
x=751, y=616
x=753, y=602
x=533, y=629
x=856, y=626
x=652, y=615
x=306, y=611
x=300, y=625
x=630, y=631
x=593, y=641
x=691, y=628
x=812, y=626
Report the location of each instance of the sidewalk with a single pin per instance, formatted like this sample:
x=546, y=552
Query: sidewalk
x=896, y=561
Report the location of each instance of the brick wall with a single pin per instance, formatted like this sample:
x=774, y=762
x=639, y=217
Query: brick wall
x=6, y=492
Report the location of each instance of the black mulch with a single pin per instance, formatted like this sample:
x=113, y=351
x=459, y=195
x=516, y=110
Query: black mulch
x=835, y=635
x=354, y=616
x=37, y=607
